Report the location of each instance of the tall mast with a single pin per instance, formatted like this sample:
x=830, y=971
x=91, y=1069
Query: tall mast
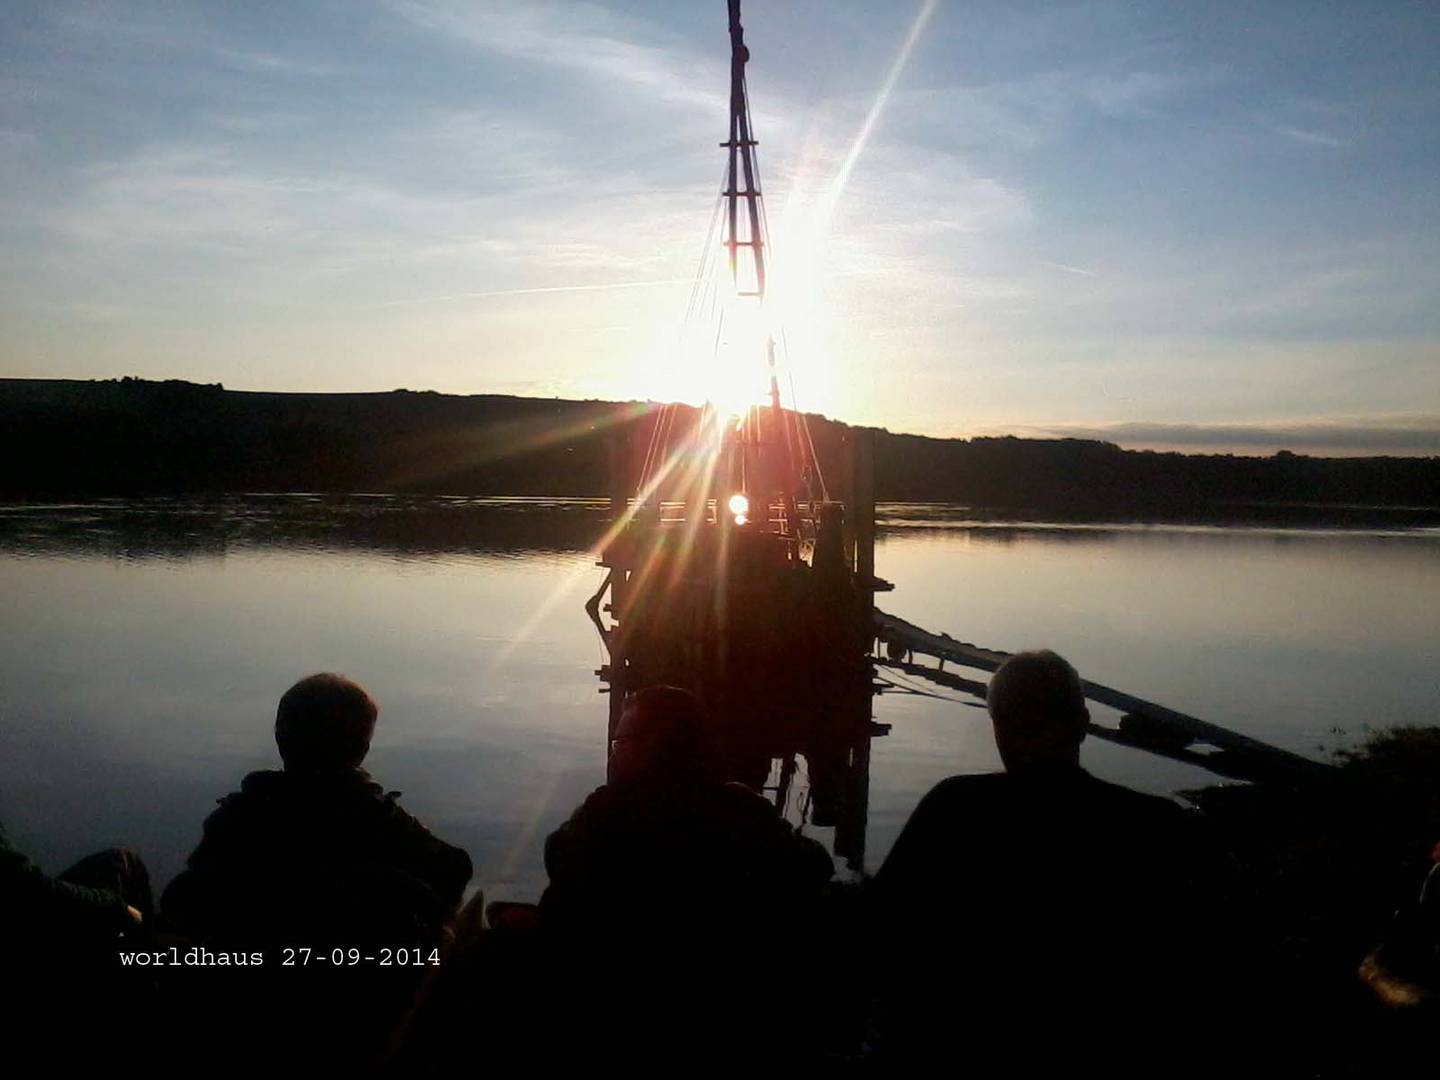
x=741, y=146
x=742, y=160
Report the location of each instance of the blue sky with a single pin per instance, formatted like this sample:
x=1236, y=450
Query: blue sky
x=1196, y=225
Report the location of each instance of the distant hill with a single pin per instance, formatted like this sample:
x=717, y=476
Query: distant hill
x=128, y=437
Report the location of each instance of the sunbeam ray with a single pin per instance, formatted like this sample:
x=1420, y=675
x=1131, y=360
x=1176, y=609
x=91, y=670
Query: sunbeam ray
x=862, y=137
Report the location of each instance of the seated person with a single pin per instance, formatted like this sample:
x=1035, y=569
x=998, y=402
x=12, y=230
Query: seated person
x=1404, y=972
x=66, y=936
x=1023, y=913
x=682, y=891
x=319, y=855
x=667, y=839
x=102, y=898
x=319, y=821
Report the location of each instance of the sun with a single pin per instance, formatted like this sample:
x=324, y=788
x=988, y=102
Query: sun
x=721, y=354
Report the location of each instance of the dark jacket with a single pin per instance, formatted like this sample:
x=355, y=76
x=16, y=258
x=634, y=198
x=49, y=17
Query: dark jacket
x=666, y=904
x=1026, y=913
x=333, y=841
x=31, y=899
x=653, y=853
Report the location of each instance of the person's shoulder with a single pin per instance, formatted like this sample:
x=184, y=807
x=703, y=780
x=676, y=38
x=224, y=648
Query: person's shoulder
x=266, y=782
x=1159, y=824
x=604, y=796
x=599, y=805
x=740, y=804
x=402, y=835
x=956, y=798
x=740, y=810
x=966, y=783
x=598, y=808
x=365, y=800
x=756, y=823
x=742, y=797
x=1136, y=803
x=961, y=790
x=259, y=788
x=256, y=790
x=922, y=856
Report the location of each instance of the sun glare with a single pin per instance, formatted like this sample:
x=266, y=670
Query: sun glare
x=723, y=358
x=801, y=316
x=720, y=361
x=725, y=362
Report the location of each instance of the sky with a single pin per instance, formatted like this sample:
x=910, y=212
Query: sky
x=1172, y=225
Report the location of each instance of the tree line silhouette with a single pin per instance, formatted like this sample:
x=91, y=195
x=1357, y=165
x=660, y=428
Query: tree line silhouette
x=134, y=437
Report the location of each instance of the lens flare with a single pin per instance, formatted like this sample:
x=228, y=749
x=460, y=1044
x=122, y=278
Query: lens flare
x=739, y=505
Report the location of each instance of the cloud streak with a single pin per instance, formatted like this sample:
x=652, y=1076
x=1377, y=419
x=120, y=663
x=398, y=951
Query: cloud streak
x=605, y=287
x=586, y=40
x=1311, y=138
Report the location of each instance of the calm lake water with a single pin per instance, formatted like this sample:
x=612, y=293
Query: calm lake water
x=143, y=646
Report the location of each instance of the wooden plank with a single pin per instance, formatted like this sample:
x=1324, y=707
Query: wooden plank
x=1221, y=762
x=1168, y=731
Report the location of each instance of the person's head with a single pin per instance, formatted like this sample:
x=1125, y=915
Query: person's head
x=660, y=736
x=1038, y=708
x=324, y=722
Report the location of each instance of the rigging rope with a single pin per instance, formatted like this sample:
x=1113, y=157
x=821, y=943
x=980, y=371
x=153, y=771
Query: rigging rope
x=700, y=289
x=900, y=683
x=703, y=302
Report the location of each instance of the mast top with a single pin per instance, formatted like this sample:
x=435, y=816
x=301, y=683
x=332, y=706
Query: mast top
x=738, y=52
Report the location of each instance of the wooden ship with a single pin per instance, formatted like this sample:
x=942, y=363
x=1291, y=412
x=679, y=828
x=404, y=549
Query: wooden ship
x=738, y=564
x=741, y=566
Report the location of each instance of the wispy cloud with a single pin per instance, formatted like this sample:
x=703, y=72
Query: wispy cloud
x=1028, y=111
x=603, y=287
x=1068, y=268
x=601, y=45
x=205, y=196
x=1329, y=124
x=1311, y=138
x=1132, y=93
x=278, y=64
x=181, y=30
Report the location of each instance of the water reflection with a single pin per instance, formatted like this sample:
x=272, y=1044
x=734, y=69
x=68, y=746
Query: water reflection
x=1303, y=518
x=396, y=524
x=139, y=668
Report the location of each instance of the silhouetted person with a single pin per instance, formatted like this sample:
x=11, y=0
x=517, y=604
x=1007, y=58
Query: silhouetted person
x=1404, y=972
x=101, y=898
x=319, y=855
x=63, y=938
x=1039, y=916
x=672, y=896
x=665, y=841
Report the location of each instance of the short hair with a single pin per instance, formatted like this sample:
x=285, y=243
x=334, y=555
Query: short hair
x=1038, y=689
x=325, y=721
